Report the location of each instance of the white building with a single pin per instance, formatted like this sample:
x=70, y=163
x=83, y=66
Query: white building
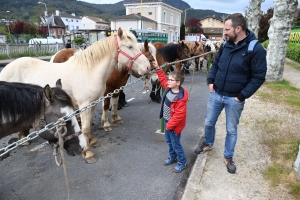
x=93, y=23
x=71, y=21
x=167, y=18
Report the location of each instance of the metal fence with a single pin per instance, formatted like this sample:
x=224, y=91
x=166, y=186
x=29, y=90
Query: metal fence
x=20, y=50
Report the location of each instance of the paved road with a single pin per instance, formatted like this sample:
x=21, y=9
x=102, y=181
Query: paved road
x=129, y=157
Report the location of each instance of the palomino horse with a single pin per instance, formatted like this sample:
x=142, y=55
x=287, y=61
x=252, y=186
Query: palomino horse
x=167, y=53
x=118, y=78
x=84, y=75
x=25, y=106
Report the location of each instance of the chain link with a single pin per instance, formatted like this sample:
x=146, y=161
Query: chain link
x=52, y=125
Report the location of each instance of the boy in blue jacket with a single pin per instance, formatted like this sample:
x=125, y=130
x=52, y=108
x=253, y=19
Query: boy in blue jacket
x=173, y=110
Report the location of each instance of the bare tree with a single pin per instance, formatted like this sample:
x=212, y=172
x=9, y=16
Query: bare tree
x=279, y=33
x=253, y=13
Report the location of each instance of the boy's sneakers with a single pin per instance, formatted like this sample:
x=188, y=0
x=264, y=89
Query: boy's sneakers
x=180, y=167
x=169, y=161
x=202, y=148
x=230, y=165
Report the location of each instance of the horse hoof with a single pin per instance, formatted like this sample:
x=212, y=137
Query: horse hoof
x=91, y=160
x=107, y=129
x=26, y=143
x=93, y=141
x=118, y=122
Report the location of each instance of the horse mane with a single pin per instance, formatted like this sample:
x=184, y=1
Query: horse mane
x=94, y=53
x=97, y=51
x=169, y=52
x=19, y=99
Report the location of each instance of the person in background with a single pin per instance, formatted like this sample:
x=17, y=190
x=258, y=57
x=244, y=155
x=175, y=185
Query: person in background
x=235, y=75
x=68, y=45
x=173, y=110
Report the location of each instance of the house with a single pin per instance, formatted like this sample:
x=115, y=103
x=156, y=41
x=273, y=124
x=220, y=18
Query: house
x=92, y=23
x=133, y=21
x=212, y=27
x=167, y=17
x=71, y=21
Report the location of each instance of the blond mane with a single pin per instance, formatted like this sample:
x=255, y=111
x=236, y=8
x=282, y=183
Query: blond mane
x=92, y=55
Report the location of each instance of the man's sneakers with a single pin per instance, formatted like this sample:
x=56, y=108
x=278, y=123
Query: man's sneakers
x=202, y=148
x=230, y=165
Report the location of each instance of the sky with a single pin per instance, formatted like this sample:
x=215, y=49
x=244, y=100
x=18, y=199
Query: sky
x=216, y=5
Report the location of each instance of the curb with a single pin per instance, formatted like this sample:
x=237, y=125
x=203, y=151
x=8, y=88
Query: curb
x=193, y=183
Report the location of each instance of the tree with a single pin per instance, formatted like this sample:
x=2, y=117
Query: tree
x=194, y=26
x=264, y=25
x=182, y=32
x=279, y=33
x=253, y=13
x=42, y=30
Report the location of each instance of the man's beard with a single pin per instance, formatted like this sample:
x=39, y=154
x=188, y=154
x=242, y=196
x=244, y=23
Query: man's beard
x=232, y=38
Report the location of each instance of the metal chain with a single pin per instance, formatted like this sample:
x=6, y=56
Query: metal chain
x=52, y=125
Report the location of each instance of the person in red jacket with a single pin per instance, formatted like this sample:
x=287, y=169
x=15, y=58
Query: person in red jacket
x=173, y=110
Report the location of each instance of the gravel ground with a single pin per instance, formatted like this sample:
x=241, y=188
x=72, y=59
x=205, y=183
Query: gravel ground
x=251, y=157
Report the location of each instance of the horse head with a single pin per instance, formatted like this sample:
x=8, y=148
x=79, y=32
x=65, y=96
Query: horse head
x=57, y=105
x=128, y=54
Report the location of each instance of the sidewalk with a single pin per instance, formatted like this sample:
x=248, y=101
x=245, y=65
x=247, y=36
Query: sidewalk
x=209, y=178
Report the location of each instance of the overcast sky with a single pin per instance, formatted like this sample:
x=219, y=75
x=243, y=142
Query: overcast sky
x=216, y=5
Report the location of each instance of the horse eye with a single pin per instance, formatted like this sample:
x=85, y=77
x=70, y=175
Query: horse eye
x=130, y=47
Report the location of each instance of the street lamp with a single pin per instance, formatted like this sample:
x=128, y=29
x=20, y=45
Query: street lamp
x=46, y=15
x=7, y=23
x=185, y=14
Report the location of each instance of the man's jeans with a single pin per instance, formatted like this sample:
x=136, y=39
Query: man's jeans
x=233, y=111
x=175, y=148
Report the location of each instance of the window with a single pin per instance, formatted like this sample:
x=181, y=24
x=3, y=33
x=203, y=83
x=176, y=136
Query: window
x=149, y=13
x=165, y=17
x=76, y=20
x=171, y=19
x=66, y=19
x=77, y=27
x=177, y=20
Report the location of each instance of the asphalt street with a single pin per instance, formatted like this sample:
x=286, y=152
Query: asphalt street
x=130, y=157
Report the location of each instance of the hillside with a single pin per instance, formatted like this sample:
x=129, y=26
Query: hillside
x=30, y=10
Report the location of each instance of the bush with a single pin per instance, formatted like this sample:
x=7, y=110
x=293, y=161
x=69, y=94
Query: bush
x=292, y=50
x=78, y=41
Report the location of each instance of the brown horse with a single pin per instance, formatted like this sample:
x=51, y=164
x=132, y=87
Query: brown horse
x=118, y=78
x=167, y=53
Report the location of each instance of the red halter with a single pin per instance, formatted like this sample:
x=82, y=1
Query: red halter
x=125, y=54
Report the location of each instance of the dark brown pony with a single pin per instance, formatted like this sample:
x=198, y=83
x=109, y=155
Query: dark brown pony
x=118, y=78
x=26, y=106
x=166, y=53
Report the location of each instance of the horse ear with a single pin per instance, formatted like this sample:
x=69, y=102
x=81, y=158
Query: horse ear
x=58, y=83
x=120, y=33
x=48, y=92
x=146, y=47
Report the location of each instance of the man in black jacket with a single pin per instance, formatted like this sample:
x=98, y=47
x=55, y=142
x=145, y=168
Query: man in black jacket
x=234, y=76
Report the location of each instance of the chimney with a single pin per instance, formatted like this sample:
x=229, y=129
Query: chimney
x=57, y=12
x=73, y=14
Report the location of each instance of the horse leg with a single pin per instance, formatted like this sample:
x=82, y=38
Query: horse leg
x=114, y=111
x=104, y=117
x=86, y=121
x=23, y=134
x=157, y=95
x=152, y=93
x=122, y=100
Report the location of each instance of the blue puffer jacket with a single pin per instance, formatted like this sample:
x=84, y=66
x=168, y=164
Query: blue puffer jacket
x=233, y=74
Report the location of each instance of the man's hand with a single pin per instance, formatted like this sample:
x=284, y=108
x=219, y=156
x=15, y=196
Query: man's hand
x=211, y=87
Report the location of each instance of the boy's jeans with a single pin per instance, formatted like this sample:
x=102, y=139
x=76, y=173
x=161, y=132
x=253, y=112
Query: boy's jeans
x=175, y=148
x=233, y=111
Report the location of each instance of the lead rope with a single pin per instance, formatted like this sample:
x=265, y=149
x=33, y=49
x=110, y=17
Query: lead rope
x=60, y=133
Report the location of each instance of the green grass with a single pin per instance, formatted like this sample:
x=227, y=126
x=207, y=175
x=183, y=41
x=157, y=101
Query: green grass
x=282, y=138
